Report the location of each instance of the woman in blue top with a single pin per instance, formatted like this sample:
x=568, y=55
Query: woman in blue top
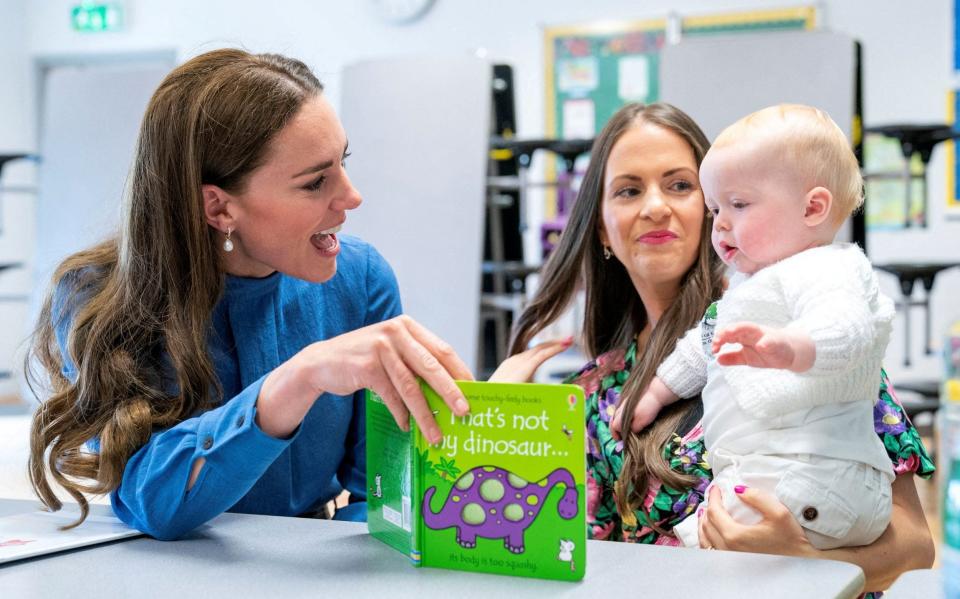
x=212, y=356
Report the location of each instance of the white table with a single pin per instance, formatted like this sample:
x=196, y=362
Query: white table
x=241, y=555
x=917, y=584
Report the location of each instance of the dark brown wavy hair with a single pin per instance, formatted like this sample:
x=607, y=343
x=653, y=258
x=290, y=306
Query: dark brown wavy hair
x=138, y=307
x=614, y=314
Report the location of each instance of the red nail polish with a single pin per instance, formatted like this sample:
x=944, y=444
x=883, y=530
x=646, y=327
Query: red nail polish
x=739, y=489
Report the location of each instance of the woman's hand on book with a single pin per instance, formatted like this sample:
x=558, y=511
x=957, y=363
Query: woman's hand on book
x=521, y=367
x=386, y=357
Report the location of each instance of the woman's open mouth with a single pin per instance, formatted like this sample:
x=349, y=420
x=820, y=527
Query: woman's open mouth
x=326, y=241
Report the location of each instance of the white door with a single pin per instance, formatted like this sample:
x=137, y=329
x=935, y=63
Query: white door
x=89, y=124
x=89, y=119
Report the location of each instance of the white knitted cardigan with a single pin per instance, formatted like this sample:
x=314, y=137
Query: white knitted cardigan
x=829, y=292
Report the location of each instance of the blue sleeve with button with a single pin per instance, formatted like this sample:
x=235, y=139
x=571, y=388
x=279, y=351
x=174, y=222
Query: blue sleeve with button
x=383, y=303
x=153, y=495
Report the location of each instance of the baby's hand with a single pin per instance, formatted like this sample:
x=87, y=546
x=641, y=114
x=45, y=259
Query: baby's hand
x=764, y=347
x=651, y=402
x=644, y=413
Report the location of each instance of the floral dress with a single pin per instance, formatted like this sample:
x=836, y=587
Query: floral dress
x=602, y=381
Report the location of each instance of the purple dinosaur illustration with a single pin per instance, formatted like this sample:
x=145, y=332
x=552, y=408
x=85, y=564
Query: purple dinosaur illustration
x=493, y=503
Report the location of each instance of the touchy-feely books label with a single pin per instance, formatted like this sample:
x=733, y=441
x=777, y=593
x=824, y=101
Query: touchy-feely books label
x=504, y=492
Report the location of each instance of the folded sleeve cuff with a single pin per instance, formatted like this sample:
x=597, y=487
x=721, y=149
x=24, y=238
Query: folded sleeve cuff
x=685, y=370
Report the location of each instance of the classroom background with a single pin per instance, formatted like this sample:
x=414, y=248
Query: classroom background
x=483, y=116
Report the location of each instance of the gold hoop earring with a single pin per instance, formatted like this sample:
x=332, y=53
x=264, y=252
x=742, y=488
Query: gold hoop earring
x=228, y=244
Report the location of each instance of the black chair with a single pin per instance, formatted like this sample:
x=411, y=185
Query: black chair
x=5, y=158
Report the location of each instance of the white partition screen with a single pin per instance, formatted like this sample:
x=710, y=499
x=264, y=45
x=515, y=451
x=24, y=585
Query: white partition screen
x=717, y=80
x=419, y=131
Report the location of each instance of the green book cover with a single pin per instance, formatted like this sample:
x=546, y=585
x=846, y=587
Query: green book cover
x=504, y=492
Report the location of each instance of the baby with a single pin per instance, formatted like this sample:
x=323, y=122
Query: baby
x=788, y=361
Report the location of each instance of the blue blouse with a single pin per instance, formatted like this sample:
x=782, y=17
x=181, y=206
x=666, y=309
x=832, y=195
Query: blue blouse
x=257, y=325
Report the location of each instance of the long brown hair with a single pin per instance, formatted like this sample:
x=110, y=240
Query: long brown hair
x=614, y=314
x=138, y=307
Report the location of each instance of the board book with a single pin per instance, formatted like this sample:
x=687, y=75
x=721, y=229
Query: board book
x=504, y=492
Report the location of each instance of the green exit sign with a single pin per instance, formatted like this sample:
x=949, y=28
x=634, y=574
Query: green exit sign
x=91, y=17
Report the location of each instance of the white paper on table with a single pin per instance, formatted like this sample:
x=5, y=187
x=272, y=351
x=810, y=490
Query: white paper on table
x=38, y=533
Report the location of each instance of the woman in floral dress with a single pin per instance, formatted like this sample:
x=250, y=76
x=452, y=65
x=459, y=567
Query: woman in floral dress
x=638, y=243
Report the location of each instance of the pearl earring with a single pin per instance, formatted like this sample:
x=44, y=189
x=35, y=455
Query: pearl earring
x=606, y=253
x=227, y=244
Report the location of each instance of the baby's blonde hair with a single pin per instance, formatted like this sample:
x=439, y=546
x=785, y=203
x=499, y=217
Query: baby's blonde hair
x=810, y=144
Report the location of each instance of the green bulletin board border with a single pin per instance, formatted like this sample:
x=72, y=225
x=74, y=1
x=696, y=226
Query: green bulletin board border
x=777, y=19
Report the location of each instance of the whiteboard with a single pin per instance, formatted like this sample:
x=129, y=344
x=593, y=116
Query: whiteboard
x=717, y=80
x=419, y=131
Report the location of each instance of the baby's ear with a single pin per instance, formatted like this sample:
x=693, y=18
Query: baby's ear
x=816, y=206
